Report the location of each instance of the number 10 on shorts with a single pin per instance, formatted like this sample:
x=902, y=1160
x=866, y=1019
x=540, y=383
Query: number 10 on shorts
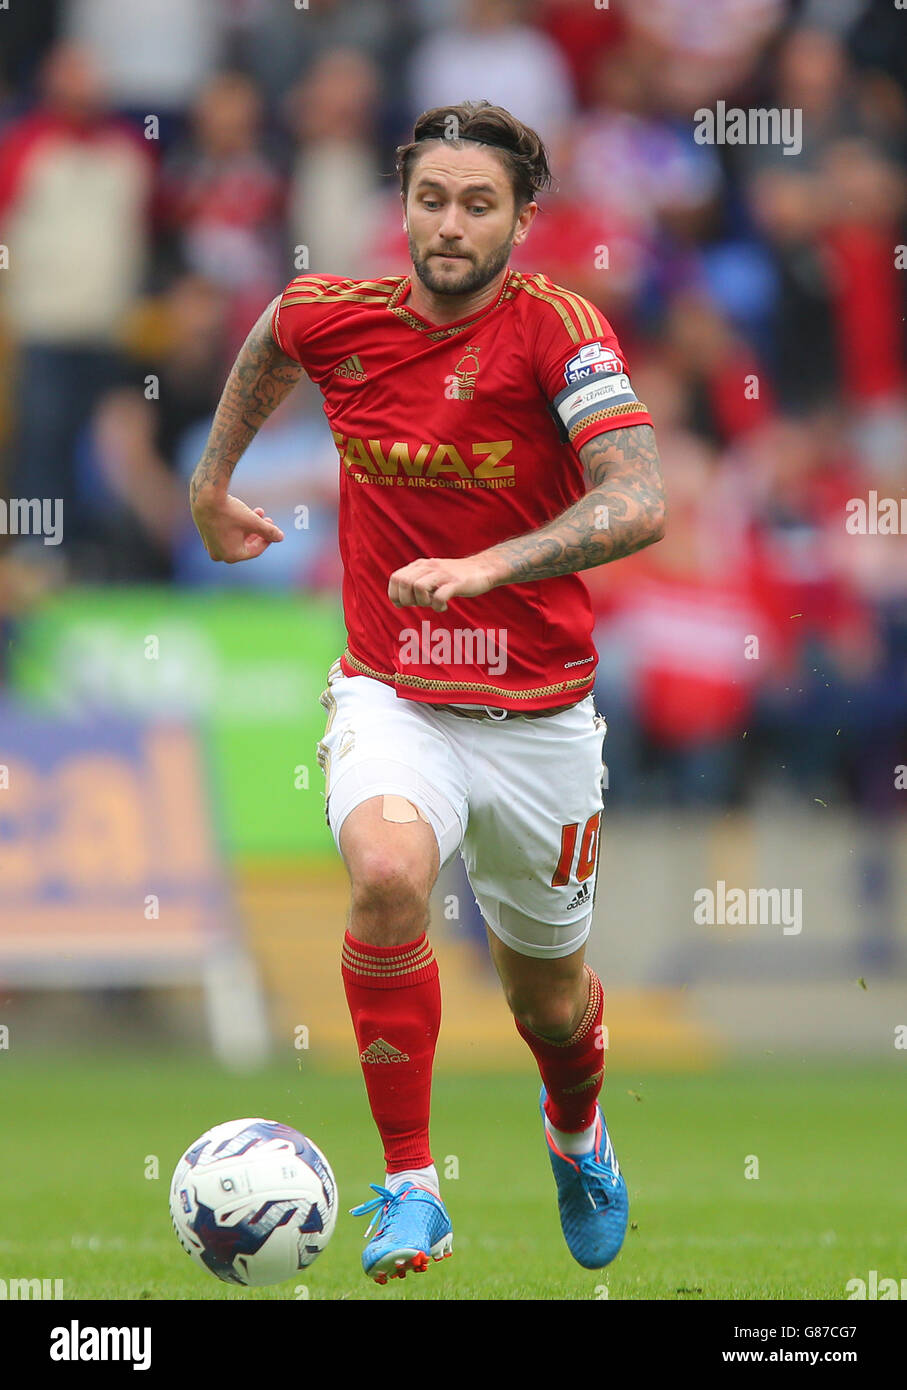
x=588, y=851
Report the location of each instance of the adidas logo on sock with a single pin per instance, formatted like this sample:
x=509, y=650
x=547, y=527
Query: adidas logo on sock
x=586, y=1085
x=581, y=897
x=381, y=1051
x=351, y=368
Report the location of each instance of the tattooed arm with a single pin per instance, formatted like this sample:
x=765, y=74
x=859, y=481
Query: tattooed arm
x=260, y=378
x=623, y=511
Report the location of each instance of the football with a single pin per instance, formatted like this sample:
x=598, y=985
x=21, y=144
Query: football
x=253, y=1201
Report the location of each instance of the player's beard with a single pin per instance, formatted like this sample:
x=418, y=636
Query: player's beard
x=477, y=276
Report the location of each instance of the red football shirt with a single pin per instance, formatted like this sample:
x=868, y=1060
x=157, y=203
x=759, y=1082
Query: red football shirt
x=453, y=438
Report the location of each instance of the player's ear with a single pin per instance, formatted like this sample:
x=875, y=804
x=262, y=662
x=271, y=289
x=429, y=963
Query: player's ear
x=524, y=221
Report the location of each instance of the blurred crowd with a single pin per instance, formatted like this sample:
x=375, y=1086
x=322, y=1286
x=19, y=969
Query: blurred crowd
x=165, y=169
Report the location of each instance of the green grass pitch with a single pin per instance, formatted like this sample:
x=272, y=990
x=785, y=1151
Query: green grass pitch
x=829, y=1204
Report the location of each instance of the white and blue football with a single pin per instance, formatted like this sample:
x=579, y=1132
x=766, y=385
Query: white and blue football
x=253, y=1201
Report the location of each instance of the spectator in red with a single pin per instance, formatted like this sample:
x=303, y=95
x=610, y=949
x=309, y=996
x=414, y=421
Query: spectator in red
x=683, y=627
x=223, y=199
x=729, y=387
x=824, y=698
x=833, y=217
x=582, y=32
x=868, y=205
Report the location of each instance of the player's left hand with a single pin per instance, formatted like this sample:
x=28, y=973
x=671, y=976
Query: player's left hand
x=430, y=583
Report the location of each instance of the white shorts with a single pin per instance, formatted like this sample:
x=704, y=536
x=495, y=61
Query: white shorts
x=521, y=798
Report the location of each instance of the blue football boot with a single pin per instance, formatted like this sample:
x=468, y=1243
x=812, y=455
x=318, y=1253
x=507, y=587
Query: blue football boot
x=412, y=1225
x=591, y=1197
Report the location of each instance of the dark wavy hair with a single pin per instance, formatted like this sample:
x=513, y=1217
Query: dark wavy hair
x=518, y=147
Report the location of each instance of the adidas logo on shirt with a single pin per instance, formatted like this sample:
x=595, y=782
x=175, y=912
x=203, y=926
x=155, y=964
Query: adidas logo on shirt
x=583, y=896
x=381, y=1051
x=351, y=368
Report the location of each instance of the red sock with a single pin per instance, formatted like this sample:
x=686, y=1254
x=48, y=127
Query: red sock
x=395, y=1002
x=573, y=1070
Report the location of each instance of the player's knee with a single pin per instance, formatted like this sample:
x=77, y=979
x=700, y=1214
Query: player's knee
x=386, y=882
x=553, y=1018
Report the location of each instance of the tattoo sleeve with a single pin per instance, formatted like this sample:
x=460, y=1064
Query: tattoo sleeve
x=622, y=512
x=260, y=378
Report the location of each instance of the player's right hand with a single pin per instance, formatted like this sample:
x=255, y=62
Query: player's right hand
x=232, y=531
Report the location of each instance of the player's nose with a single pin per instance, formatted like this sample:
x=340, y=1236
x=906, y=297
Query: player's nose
x=450, y=230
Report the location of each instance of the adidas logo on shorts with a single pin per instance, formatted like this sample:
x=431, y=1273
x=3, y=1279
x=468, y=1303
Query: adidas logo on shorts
x=381, y=1051
x=583, y=896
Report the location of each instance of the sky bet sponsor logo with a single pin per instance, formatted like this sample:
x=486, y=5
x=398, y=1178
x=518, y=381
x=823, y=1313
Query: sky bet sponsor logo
x=77, y=1343
x=597, y=391
x=592, y=358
